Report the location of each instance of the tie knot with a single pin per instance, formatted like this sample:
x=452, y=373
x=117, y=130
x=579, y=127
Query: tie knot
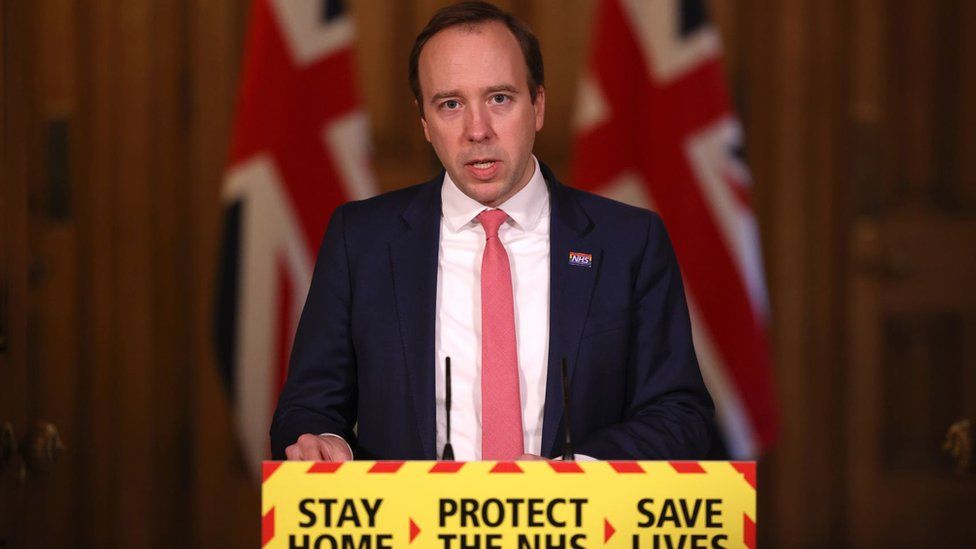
x=491, y=220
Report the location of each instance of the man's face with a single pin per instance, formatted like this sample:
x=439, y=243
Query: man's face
x=478, y=113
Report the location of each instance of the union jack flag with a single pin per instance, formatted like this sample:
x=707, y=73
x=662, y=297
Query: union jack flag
x=655, y=128
x=300, y=148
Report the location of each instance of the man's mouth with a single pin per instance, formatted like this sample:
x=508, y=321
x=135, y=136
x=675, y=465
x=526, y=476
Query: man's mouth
x=483, y=169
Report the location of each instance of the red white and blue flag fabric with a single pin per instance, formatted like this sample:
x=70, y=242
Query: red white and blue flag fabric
x=300, y=148
x=655, y=128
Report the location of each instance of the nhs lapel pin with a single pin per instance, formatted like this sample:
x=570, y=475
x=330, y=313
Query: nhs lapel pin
x=580, y=259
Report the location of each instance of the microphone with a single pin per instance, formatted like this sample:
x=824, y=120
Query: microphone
x=448, y=454
x=568, y=454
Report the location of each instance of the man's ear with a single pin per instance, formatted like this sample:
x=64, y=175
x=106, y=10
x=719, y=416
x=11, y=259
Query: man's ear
x=540, y=107
x=423, y=121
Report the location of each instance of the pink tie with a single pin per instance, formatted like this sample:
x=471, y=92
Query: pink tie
x=501, y=407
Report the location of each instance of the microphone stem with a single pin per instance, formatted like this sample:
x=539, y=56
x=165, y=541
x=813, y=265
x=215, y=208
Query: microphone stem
x=568, y=454
x=448, y=454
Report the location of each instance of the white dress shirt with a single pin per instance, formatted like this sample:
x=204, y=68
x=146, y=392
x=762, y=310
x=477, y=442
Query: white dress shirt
x=458, y=326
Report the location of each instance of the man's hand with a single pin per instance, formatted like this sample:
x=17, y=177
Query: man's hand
x=318, y=448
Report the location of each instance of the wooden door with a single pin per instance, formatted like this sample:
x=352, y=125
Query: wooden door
x=13, y=282
x=116, y=117
x=912, y=307
x=38, y=347
x=912, y=374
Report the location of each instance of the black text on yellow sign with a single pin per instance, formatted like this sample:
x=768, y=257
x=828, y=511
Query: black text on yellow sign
x=414, y=504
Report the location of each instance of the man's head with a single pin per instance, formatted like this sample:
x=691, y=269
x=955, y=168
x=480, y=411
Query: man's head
x=476, y=73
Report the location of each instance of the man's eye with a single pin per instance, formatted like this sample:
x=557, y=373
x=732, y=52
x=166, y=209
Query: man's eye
x=499, y=98
x=451, y=104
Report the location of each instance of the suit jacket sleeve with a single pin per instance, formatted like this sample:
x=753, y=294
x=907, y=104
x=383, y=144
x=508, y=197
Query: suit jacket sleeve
x=320, y=393
x=668, y=413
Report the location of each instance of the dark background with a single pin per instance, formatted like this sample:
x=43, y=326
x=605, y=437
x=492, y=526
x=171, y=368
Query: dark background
x=860, y=120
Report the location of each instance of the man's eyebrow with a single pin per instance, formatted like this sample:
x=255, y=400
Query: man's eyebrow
x=503, y=88
x=444, y=95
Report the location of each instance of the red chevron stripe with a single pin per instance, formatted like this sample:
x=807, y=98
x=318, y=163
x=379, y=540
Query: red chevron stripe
x=324, y=467
x=267, y=527
x=686, y=467
x=447, y=467
x=748, y=532
x=748, y=470
x=506, y=467
x=386, y=467
x=268, y=468
x=566, y=467
x=627, y=467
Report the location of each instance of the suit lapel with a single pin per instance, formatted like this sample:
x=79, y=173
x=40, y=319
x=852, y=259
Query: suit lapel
x=570, y=289
x=414, y=261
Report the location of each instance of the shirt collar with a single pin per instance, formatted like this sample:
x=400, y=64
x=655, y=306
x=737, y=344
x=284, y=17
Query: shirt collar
x=525, y=208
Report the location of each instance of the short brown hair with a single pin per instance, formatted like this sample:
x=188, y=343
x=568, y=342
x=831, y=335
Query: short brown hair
x=471, y=14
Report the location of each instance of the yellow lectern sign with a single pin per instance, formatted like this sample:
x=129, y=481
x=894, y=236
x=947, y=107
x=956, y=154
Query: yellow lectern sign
x=523, y=505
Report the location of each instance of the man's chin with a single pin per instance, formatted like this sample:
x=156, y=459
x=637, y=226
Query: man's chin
x=487, y=193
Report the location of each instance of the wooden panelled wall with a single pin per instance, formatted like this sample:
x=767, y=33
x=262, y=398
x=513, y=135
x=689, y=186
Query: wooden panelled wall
x=124, y=271
x=128, y=107
x=787, y=63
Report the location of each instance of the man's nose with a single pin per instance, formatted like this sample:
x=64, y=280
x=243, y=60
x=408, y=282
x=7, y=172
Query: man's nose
x=478, y=124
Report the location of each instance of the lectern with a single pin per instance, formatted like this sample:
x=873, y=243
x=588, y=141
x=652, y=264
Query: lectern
x=523, y=505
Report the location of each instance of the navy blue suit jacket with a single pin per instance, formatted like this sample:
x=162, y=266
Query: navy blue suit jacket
x=364, y=349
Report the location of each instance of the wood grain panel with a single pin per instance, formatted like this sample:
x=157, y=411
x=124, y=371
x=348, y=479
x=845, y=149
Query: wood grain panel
x=784, y=96
x=224, y=493
x=912, y=63
x=908, y=350
x=949, y=109
x=910, y=308
x=965, y=89
x=14, y=302
x=918, y=406
x=826, y=243
x=168, y=187
x=53, y=338
x=96, y=214
x=866, y=74
x=564, y=40
x=135, y=267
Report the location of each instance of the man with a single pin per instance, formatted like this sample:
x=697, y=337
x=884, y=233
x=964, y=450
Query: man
x=498, y=266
